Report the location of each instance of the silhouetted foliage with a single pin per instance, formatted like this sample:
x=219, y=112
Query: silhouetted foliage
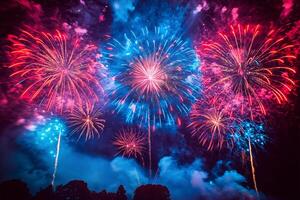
x=103, y=195
x=151, y=192
x=78, y=190
x=45, y=194
x=14, y=190
x=121, y=193
x=74, y=190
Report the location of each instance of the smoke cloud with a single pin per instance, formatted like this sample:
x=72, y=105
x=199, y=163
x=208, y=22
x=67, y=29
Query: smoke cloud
x=34, y=165
x=121, y=9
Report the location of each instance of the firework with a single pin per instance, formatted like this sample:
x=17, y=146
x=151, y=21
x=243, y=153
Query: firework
x=248, y=136
x=251, y=131
x=154, y=77
x=130, y=143
x=56, y=70
x=148, y=77
x=86, y=120
x=47, y=134
x=251, y=64
x=211, y=124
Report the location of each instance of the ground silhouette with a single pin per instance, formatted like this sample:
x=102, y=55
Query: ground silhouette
x=78, y=190
x=151, y=192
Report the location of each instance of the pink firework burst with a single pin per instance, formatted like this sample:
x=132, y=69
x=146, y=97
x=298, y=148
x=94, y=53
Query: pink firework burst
x=211, y=123
x=55, y=69
x=148, y=75
x=252, y=65
x=130, y=143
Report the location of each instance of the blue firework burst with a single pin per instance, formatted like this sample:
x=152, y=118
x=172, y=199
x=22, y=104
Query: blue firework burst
x=153, y=76
x=249, y=132
x=44, y=136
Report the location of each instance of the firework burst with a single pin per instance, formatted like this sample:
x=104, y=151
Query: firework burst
x=249, y=131
x=55, y=69
x=130, y=143
x=86, y=121
x=251, y=64
x=148, y=76
x=153, y=75
x=212, y=124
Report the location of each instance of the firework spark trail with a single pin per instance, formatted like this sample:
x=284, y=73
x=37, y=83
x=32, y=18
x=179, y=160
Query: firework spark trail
x=86, y=120
x=154, y=76
x=56, y=70
x=56, y=159
x=253, y=168
x=149, y=147
x=251, y=64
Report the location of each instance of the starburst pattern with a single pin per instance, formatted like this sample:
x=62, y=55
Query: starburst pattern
x=86, y=121
x=130, y=143
x=153, y=75
x=211, y=124
x=56, y=70
x=252, y=64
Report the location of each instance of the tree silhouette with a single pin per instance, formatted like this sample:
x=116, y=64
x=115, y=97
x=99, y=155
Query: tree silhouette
x=78, y=190
x=45, y=194
x=121, y=193
x=74, y=190
x=14, y=190
x=151, y=192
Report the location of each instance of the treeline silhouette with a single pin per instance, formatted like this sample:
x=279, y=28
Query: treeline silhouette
x=78, y=190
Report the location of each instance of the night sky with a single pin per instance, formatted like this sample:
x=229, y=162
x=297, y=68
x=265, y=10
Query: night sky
x=178, y=160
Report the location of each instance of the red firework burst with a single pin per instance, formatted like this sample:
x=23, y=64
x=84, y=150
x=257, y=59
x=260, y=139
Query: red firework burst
x=55, y=69
x=130, y=143
x=251, y=64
